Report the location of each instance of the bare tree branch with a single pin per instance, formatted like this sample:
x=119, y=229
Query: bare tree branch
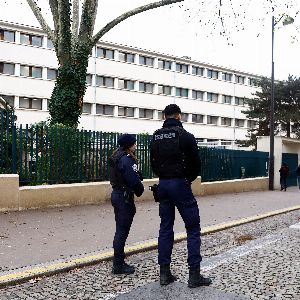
x=75, y=19
x=128, y=14
x=37, y=12
x=54, y=10
x=88, y=18
x=64, y=31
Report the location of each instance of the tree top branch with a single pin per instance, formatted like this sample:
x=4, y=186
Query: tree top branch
x=130, y=13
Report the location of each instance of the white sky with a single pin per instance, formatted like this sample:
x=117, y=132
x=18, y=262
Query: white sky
x=175, y=31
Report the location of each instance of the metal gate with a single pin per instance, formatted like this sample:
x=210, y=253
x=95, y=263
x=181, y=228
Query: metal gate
x=292, y=161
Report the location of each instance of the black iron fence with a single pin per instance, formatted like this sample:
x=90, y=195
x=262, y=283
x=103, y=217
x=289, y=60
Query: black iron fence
x=48, y=155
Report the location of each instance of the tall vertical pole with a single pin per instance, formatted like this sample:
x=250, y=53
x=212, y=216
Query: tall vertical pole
x=271, y=158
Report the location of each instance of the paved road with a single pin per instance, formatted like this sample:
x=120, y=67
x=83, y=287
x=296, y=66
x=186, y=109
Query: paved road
x=256, y=261
x=38, y=236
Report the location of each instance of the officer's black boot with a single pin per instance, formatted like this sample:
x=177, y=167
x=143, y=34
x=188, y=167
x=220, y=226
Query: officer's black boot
x=123, y=269
x=196, y=279
x=166, y=276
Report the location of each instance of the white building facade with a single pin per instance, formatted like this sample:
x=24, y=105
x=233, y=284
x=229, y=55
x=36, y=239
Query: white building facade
x=127, y=88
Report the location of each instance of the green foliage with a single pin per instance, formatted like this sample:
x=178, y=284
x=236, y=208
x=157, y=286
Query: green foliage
x=66, y=102
x=7, y=122
x=287, y=109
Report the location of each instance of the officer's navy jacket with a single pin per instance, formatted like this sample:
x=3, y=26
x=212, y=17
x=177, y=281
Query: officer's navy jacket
x=187, y=146
x=128, y=170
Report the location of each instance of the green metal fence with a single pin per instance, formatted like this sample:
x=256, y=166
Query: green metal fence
x=48, y=155
x=223, y=164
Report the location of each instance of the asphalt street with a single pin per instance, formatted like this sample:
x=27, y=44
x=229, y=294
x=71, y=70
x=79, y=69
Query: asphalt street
x=258, y=260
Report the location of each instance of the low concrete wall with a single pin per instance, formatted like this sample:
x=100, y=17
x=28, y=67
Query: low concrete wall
x=234, y=186
x=9, y=192
x=14, y=198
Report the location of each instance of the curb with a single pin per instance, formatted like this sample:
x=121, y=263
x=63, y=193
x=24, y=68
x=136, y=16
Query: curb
x=16, y=276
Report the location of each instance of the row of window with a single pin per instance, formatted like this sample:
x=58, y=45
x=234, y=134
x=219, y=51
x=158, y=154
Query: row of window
x=167, y=65
x=130, y=112
x=105, y=81
x=37, y=40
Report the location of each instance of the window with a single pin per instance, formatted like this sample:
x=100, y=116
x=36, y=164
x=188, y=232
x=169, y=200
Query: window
x=181, y=92
x=7, y=35
x=239, y=101
x=30, y=71
x=227, y=76
x=125, y=111
x=252, y=81
x=226, y=121
x=126, y=84
x=197, y=118
x=146, y=61
x=50, y=44
x=226, y=99
x=87, y=108
x=159, y=115
x=6, y=68
x=105, y=81
x=239, y=122
x=197, y=95
x=30, y=103
x=252, y=123
x=146, y=87
x=164, y=64
x=10, y=100
x=212, y=120
x=212, y=74
x=89, y=79
x=51, y=74
x=105, y=53
x=29, y=39
x=103, y=109
x=213, y=141
x=164, y=89
x=226, y=143
x=182, y=68
x=212, y=97
x=239, y=79
x=127, y=57
x=145, y=113
x=184, y=117
x=197, y=71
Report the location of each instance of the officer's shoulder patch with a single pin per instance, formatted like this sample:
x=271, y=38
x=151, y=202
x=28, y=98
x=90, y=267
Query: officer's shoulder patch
x=134, y=167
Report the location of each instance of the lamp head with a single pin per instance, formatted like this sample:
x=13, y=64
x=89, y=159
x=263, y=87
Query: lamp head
x=288, y=20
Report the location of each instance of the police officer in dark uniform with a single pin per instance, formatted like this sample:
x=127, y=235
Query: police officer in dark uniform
x=126, y=181
x=174, y=158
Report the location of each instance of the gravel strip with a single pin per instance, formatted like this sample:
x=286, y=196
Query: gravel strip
x=269, y=273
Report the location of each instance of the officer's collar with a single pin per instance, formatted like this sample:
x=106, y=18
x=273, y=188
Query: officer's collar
x=172, y=122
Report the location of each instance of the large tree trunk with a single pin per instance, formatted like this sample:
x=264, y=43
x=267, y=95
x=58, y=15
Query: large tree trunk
x=66, y=102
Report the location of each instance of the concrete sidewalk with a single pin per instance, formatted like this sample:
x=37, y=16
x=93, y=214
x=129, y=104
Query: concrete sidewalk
x=38, y=236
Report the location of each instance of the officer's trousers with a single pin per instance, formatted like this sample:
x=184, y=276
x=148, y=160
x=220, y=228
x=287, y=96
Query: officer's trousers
x=124, y=213
x=177, y=192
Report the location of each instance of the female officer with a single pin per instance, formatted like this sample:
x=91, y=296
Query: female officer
x=125, y=180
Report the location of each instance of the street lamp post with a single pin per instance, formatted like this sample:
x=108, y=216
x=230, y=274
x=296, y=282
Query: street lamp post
x=287, y=20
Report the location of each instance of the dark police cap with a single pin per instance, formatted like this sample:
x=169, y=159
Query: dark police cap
x=171, y=109
x=126, y=140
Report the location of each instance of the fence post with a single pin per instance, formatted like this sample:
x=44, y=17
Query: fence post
x=14, y=150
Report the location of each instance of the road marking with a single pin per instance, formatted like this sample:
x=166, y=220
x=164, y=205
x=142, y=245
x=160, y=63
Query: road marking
x=295, y=226
x=238, y=252
x=54, y=267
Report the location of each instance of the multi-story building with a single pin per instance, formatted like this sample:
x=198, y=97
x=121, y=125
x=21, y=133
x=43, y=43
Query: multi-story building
x=127, y=87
